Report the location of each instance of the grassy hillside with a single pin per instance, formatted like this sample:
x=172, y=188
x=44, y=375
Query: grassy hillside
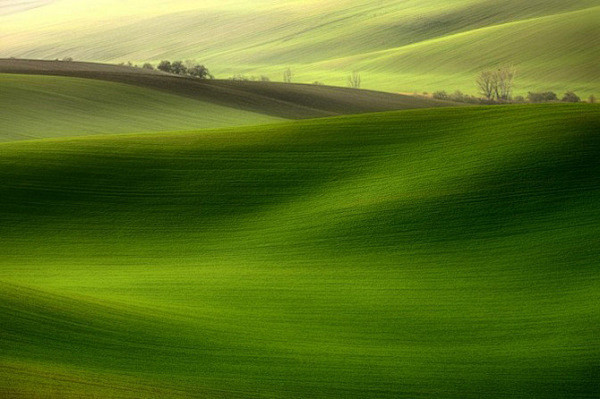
x=448, y=253
x=13, y=7
x=47, y=106
x=288, y=101
x=555, y=52
x=417, y=45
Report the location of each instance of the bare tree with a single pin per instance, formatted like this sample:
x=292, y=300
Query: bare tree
x=497, y=84
x=354, y=80
x=505, y=81
x=486, y=83
x=287, y=75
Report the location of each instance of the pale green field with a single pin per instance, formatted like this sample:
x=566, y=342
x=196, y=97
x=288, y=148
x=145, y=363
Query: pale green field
x=403, y=46
x=47, y=106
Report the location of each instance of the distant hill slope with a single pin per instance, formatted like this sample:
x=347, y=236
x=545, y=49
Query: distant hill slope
x=16, y=6
x=36, y=107
x=553, y=43
x=447, y=253
x=290, y=101
x=557, y=52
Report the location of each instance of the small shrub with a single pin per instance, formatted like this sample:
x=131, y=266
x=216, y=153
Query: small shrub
x=519, y=99
x=542, y=97
x=456, y=96
x=571, y=97
x=178, y=68
x=460, y=97
x=199, y=71
x=440, y=95
x=473, y=100
x=148, y=66
x=165, y=66
x=592, y=99
x=242, y=78
x=187, y=68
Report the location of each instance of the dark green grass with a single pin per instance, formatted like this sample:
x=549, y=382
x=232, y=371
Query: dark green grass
x=445, y=253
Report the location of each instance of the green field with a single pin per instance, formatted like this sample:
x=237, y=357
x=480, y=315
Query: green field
x=36, y=107
x=164, y=236
x=399, y=46
x=447, y=253
x=34, y=102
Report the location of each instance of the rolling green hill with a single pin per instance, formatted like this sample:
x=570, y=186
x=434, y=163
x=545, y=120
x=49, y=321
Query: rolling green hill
x=46, y=106
x=400, y=46
x=448, y=253
x=556, y=52
x=221, y=99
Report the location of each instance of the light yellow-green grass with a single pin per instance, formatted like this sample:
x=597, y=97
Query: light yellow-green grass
x=405, y=46
x=48, y=106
